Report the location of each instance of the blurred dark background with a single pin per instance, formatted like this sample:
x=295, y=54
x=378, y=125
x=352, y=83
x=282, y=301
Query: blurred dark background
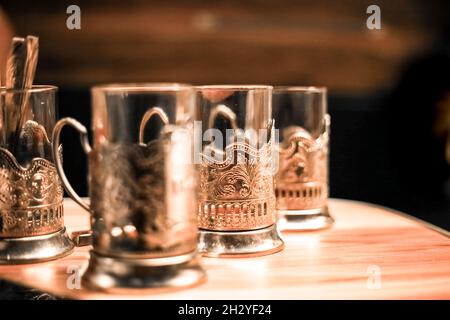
x=389, y=89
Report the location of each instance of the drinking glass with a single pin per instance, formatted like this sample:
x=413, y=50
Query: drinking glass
x=235, y=136
x=31, y=196
x=302, y=180
x=142, y=187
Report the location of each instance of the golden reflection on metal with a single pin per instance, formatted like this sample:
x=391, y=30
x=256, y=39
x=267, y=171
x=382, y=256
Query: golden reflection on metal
x=118, y=275
x=31, y=199
x=236, y=213
x=301, y=182
x=239, y=244
x=237, y=194
x=36, y=248
x=81, y=238
x=31, y=206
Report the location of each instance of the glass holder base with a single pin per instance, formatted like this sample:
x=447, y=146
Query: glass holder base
x=240, y=243
x=35, y=249
x=305, y=220
x=118, y=275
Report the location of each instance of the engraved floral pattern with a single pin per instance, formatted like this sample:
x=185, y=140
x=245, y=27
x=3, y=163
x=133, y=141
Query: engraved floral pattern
x=237, y=193
x=30, y=198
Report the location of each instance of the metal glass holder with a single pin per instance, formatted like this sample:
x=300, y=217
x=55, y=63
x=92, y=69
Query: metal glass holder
x=31, y=207
x=242, y=223
x=142, y=198
x=36, y=248
x=116, y=274
x=236, y=214
x=302, y=182
x=232, y=244
x=302, y=178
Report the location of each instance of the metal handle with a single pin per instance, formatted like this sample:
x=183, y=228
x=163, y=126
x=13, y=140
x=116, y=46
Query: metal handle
x=59, y=168
x=155, y=111
x=225, y=112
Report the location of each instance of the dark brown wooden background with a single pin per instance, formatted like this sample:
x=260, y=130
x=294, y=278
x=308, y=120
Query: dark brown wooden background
x=322, y=42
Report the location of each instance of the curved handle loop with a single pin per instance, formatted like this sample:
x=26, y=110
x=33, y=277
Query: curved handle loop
x=59, y=168
x=227, y=113
x=155, y=111
x=301, y=134
x=224, y=111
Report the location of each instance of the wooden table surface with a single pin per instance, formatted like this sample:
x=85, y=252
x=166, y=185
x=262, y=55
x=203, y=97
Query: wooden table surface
x=370, y=253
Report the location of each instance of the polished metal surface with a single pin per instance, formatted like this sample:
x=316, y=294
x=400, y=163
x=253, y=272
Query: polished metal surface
x=81, y=238
x=307, y=220
x=116, y=274
x=58, y=161
x=36, y=248
x=240, y=243
x=31, y=195
x=31, y=212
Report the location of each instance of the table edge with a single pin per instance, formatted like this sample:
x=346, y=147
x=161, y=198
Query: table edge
x=426, y=224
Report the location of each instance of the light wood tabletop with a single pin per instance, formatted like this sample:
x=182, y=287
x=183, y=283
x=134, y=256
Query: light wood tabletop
x=371, y=252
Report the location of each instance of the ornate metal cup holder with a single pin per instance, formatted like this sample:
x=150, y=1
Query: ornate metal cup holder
x=236, y=214
x=302, y=188
x=31, y=212
x=138, y=240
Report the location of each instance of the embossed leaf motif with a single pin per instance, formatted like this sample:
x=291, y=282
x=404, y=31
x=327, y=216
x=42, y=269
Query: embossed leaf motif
x=248, y=176
x=261, y=180
x=30, y=197
x=237, y=193
x=234, y=183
